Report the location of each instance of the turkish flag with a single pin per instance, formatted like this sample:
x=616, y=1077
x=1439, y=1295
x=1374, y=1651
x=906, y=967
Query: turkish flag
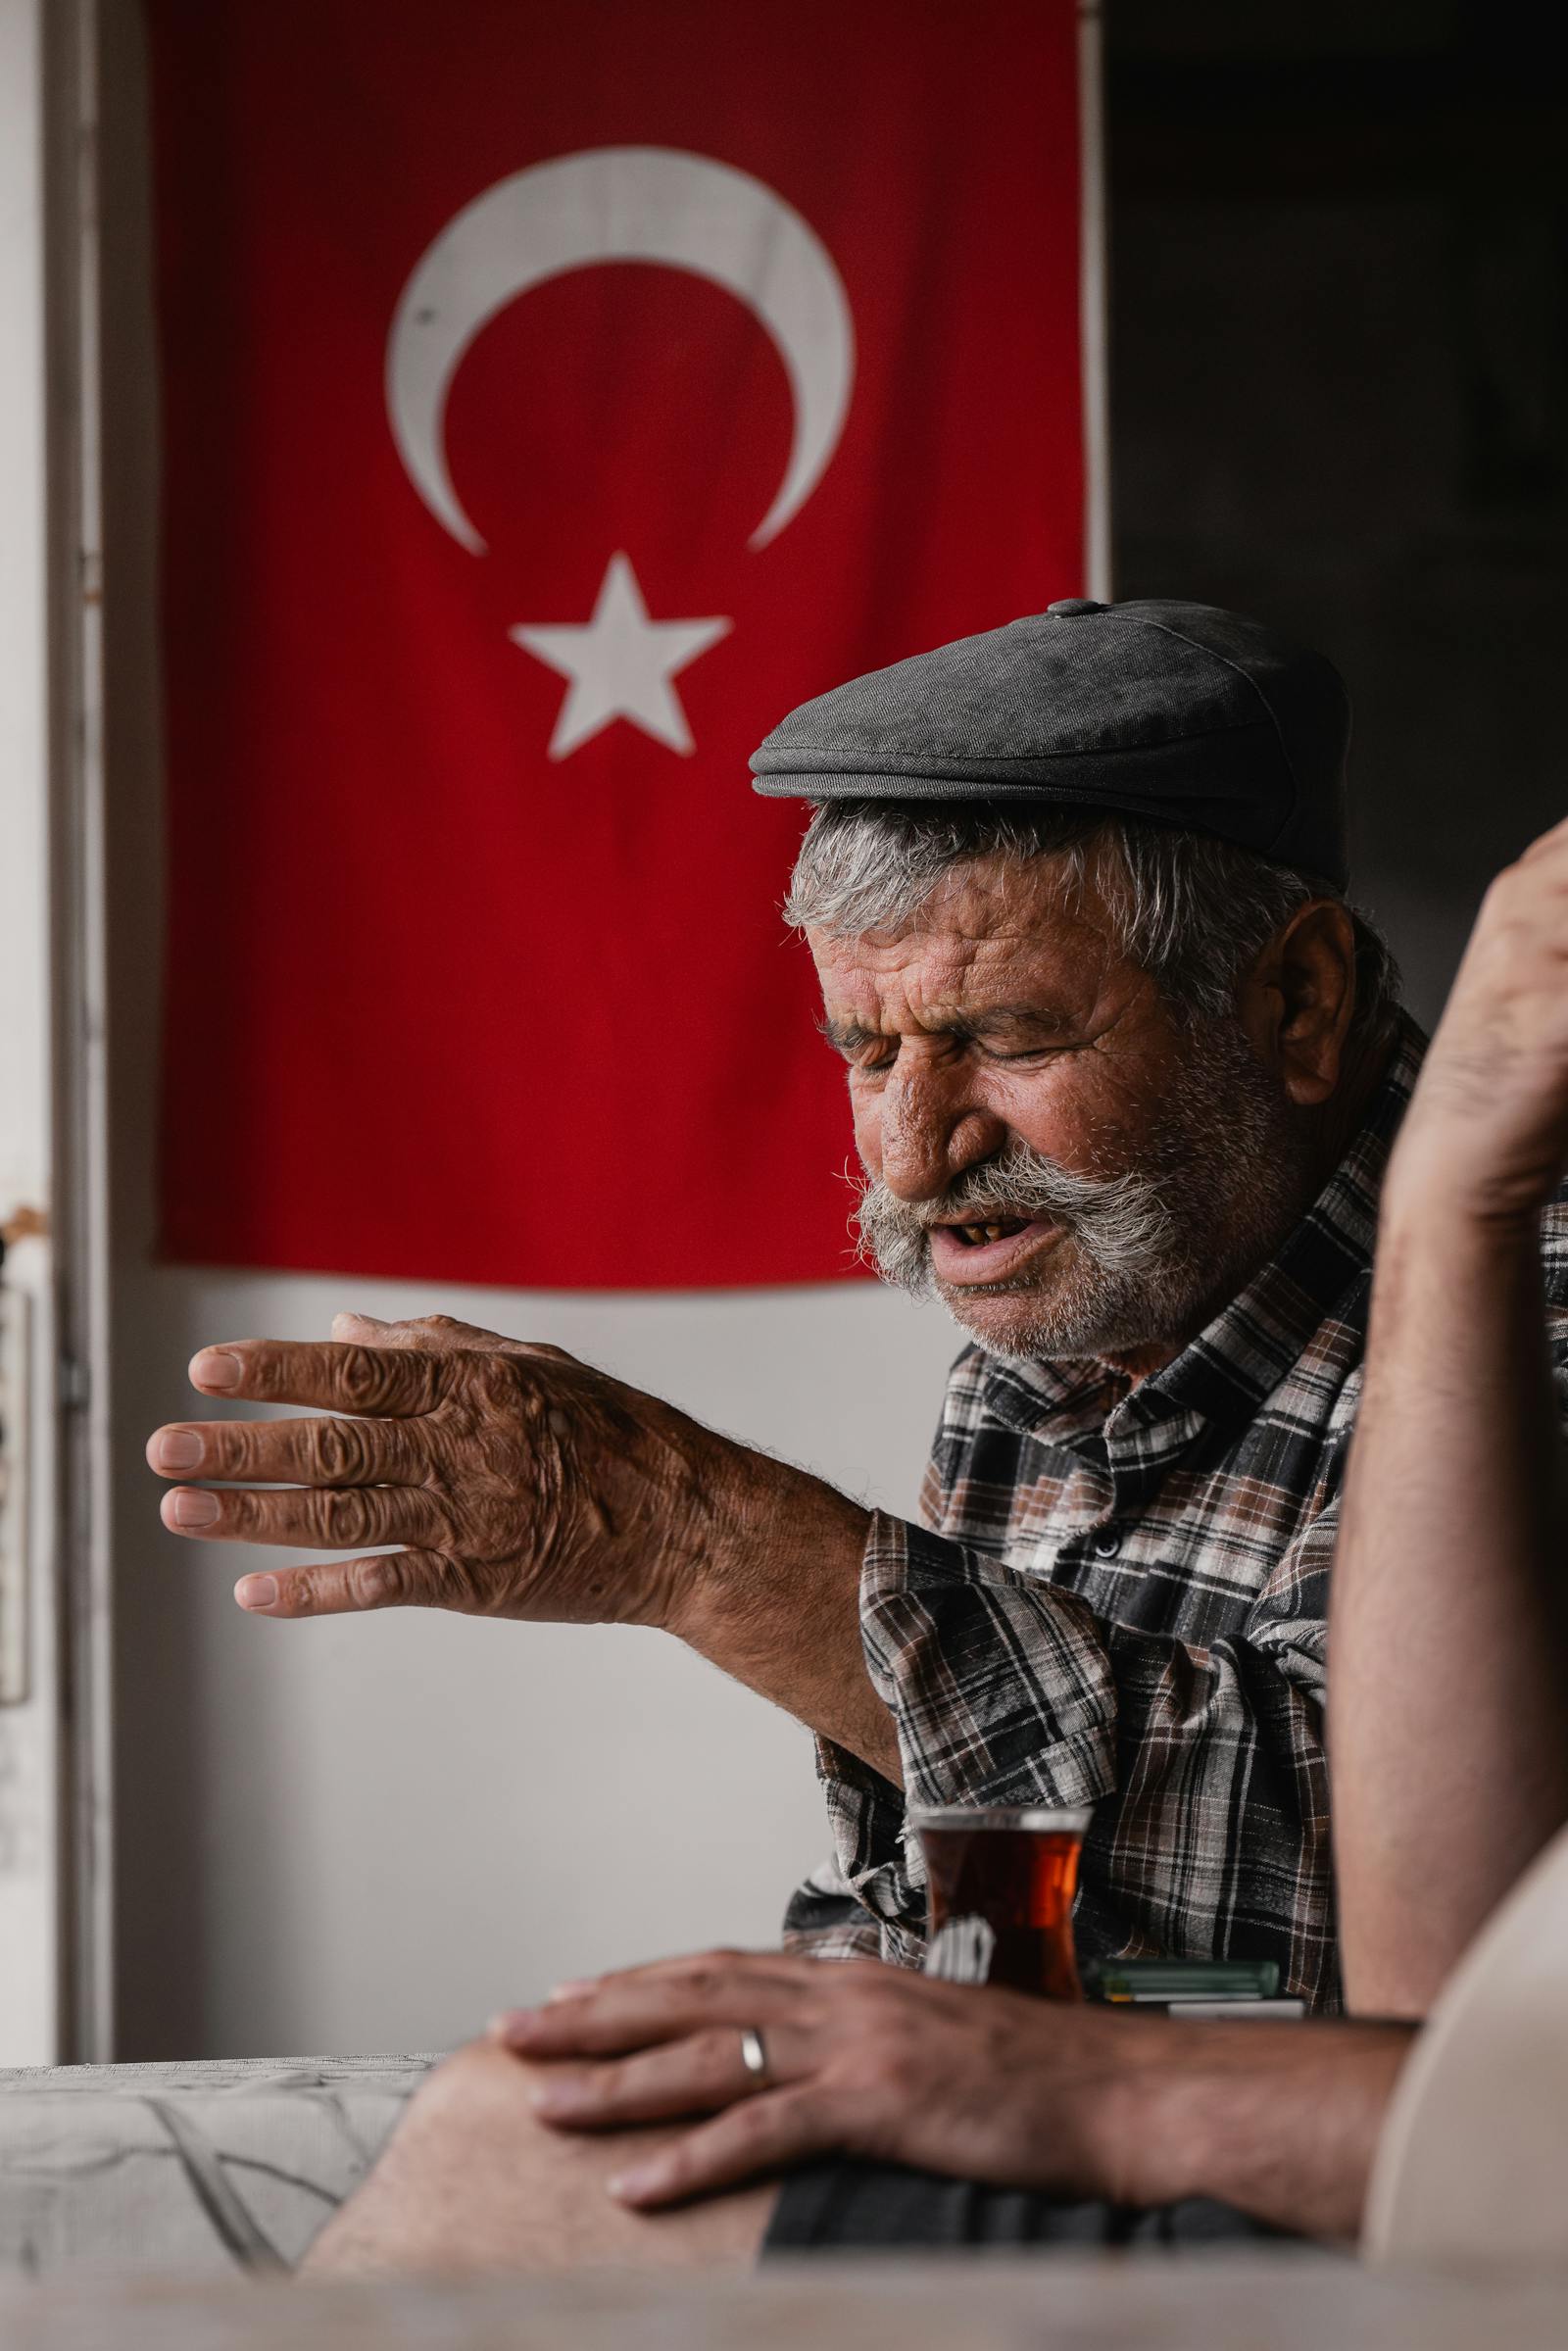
x=552, y=396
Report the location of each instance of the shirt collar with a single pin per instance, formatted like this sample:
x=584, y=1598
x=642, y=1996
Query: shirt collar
x=1224, y=1374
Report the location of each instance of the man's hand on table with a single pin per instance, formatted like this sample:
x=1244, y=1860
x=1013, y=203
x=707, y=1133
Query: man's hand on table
x=876, y=2062
x=524, y=1484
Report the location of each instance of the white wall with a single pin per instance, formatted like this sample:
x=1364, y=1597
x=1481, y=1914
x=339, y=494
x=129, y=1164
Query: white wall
x=364, y=1835
x=372, y=1832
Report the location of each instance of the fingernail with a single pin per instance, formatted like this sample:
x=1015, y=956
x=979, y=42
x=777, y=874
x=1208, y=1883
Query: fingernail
x=257, y=1593
x=193, y=1508
x=511, y=2024
x=573, y=1987
x=552, y=2097
x=216, y=1367
x=177, y=1448
x=630, y=2187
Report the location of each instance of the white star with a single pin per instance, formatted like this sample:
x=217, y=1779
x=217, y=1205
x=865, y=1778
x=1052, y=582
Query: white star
x=620, y=664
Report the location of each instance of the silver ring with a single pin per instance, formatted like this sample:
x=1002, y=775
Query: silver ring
x=753, y=2053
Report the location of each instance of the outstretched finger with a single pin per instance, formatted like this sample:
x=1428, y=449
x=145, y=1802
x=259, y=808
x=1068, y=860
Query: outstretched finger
x=347, y=1587
x=309, y=1518
x=761, y=2135
x=432, y=1334
x=391, y=1382
x=438, y=1335
x=339, y=1451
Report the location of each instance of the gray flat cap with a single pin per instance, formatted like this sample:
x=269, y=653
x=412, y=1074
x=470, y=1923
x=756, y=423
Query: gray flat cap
x=1179, y=712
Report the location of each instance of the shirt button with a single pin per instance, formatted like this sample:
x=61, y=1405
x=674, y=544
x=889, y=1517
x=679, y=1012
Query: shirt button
x=1107, y=1543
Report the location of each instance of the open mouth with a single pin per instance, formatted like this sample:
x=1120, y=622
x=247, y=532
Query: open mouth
x=990, y=1249
x=975, y=1236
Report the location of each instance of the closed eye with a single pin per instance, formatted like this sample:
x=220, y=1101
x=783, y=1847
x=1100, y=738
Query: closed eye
x=863, y=1048
x=869, y=1054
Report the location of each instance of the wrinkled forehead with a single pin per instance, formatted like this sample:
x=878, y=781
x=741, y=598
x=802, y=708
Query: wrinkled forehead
x=993, y=932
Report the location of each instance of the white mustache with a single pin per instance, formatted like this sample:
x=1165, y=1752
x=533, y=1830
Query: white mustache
x=1118, y=1221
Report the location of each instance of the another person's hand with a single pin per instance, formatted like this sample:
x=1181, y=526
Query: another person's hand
x=1487, y=1131
x=862, y=2058
x=524, y=1483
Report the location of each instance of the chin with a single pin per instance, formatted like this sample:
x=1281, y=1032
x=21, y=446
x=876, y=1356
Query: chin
x=1022, y=1326
x=1015, y=1326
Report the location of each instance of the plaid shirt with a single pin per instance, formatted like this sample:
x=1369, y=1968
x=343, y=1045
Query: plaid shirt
x=1118, y=1598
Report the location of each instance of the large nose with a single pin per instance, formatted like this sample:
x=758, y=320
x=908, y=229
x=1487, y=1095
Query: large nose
x=930, y=1128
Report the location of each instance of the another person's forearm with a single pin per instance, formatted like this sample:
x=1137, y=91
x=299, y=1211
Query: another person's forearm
x=1447, y=1731
x=1279, y=2120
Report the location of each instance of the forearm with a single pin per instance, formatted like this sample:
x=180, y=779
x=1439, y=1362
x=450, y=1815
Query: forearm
x=771, y=1594
x=1447, y=1735
x=1279, y=2120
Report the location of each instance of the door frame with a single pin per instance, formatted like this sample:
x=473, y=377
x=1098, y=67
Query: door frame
x=57, y=1155
x=80, y=1011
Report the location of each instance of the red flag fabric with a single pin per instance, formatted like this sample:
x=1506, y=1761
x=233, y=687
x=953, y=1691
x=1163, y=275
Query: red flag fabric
x=553, y=397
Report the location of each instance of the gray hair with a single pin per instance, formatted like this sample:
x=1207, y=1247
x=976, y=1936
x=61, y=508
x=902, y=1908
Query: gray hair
x=1193, y=911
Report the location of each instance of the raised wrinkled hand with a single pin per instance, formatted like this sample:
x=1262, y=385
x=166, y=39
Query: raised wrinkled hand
x=522, y=1482
x=1488, y=1126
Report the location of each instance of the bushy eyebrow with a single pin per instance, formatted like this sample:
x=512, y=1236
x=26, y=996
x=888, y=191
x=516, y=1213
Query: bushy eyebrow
x=994, y=1020
x=846, y=1035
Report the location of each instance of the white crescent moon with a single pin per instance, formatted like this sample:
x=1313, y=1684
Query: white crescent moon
x=621, y=204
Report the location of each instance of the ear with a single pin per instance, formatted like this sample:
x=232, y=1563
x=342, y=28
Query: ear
x=1298, y=1001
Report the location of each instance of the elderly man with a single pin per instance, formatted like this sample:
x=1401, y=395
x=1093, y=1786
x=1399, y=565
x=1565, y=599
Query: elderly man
x=1124, y=1068
x=917, y=2113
